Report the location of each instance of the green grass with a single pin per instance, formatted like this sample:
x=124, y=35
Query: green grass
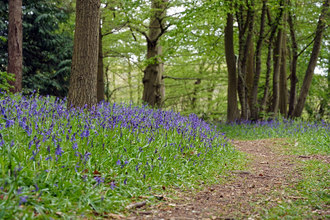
x=62, y=163
x=302, y=138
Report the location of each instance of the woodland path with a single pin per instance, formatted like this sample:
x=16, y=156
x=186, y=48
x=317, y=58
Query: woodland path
x=245, y=195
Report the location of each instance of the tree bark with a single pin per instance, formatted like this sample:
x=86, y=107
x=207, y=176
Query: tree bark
x=244, y=43
x=293, y=75
x=153, y=89
x=15, y=44
x=100, y=72
x=250, y=72
x=312, y=62
x=274, y=26
x=254, y=92
x=83, y=81
x=232, y=105
x=283, y=101
x=277, y=66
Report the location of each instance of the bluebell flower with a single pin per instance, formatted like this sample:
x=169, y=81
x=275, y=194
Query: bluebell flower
x=98, y=180
x=125, y=181
x=23, y=199
x=59, y=151
x=75, y=146
x=118, y=162
x=37, y=188
x=19, y=191
x=112, y=185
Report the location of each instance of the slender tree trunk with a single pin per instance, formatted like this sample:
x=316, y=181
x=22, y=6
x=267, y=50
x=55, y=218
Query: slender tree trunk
x=254, y=93
x=283, y=102
x=274, y=26
x=232, y=105
x=15, y=44
x=293, y=75
x=100, y=72
x=129, y=80
x=152, y=80
x=83, y=81
x=113, y=92
x=245, y=37
x=250, y=72
x=277, y=66
x=312, y=62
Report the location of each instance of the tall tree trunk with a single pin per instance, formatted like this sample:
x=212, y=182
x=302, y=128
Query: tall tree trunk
x=15, y=44
x=152, y=80
x=312, y=62
x=100, y=72
x=283, y=102
x=293, y=75
x=83, y=81
x=232, y=106
x=250, y=72
x=274, y=26
x=254, y=93
x=129, y=80
x=245, y=37
x=277, y=66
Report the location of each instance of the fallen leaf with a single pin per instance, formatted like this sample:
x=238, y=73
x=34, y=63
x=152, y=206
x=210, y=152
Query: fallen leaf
x=96, y=173
x=58, y=213
x=115, y=216
x=136, y=205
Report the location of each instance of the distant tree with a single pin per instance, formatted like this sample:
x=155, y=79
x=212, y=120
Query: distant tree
x=313, y=61
x=83, y=81
x=15, y=49
x=153, y=93
x=232, y=106
x=100, y=71
x=47, y=50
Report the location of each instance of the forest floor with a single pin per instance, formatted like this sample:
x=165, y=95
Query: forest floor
x=269, y=181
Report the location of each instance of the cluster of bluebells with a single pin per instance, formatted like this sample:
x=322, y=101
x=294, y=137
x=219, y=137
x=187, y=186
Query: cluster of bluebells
x=318, y=132
x=127, y=140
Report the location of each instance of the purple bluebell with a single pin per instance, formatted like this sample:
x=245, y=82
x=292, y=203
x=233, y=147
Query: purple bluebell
x=23, y=199
x=125, y=181
x=19, y=191
x=112, y=185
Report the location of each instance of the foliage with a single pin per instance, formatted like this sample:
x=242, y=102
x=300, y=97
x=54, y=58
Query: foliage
x=55, y=160
x=4, y=78
x=46, y=53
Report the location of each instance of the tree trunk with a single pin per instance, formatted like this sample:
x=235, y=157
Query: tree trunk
x=283, y=102
x=250, y=72
x=152, y=80
x=274, y=26
x=277, y=66
x=83, y=81
x=293, y=75
x=129, y=80
x=100, y=72
x=245, y=37
x=254, y=93
x=15, y=44
x=232, y=106
x=312, y=62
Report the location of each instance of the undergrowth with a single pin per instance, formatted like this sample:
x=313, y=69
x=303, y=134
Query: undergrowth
x=65, y=163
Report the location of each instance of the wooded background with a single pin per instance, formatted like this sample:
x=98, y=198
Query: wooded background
x=221, y=60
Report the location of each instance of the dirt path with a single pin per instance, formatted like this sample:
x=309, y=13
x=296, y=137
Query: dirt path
x=245, y=196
